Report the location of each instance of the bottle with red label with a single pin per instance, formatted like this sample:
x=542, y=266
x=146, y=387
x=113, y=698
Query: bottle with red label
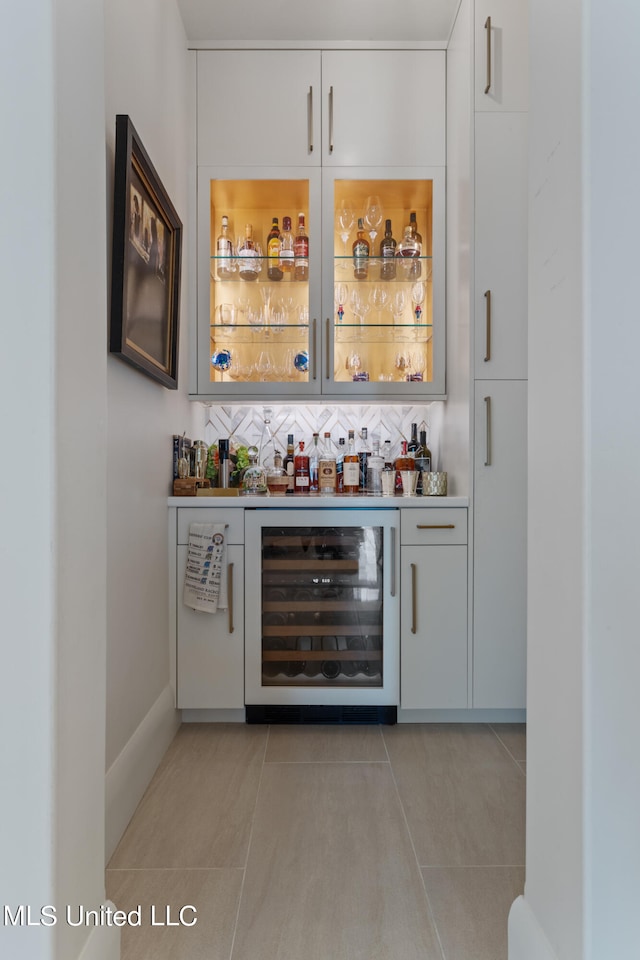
x=301, y=470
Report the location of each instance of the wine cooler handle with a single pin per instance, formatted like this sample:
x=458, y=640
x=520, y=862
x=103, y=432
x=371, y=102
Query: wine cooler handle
x=328, y=346
x=310, y=118
x=487, y=26
x=230, y=595
x=487, y=335
x=393, y=561
x=487, y=452
x=314, y=365
x=435, y=526
x=330, y=119
x=414, y=599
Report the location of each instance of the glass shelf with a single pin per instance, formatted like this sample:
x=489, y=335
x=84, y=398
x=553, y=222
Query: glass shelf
x=261, y=263
x=258, y=332
x=408, y=270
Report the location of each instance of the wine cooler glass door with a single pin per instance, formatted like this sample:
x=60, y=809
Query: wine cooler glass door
x=322, y=630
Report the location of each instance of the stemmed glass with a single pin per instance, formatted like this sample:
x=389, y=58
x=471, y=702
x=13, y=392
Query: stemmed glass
x=345, y=218
x=398, y=304
x=263, y=366
x=372, y=219
x=340, y=294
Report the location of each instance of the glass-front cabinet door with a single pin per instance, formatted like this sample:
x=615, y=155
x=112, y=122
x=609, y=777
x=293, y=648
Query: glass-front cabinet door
x=322, y=607
x=258, y=282
x=383, y=282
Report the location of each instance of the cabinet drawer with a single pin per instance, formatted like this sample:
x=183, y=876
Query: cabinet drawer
x=234, y=519
x=436, y=525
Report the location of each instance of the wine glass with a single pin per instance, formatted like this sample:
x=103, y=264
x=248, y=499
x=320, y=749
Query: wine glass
x=372, y=219
x=345, y=218
x=340, y=294
x=398, y=305
x=378, y=298
x=418, y=291
x=263, y=365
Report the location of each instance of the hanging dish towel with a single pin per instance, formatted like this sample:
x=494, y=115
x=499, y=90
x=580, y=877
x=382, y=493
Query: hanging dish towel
x=205, y=579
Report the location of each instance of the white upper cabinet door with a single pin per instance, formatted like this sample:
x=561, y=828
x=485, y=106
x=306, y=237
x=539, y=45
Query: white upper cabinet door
x=259, y=107
x=500, y=298
x=501, y=55
x=383, y=108
x=500, y=545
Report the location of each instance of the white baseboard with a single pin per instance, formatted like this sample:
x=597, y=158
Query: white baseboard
x=130, y=773
x=462, y=716
x=103, y=942
x=527, y=940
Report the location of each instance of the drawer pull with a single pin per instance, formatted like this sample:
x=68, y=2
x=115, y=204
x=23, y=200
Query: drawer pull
x=435, y=526
x=414, y=599
x=487, y=27
x=230, y=595
x=393, y=561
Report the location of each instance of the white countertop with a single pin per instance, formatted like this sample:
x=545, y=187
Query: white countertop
x=306, y=502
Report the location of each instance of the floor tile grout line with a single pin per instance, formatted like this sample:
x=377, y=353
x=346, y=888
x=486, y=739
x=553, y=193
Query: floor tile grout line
x=472, y=866
x=409, y=834
x=503, y=744
x=284, y=763
x=244, y=871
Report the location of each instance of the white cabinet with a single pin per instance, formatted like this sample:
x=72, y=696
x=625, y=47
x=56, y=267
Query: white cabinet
x=310, y=107
x=258, y=107
x=499, y=544
x=500, y=303
x=383, y=107
x=210, y=646
x=501, y=55
x=433, y=609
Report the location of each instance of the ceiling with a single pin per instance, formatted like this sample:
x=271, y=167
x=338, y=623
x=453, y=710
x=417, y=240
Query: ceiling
x=310, y=21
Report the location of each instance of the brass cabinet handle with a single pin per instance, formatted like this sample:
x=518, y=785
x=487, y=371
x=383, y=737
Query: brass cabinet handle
x=487, y=336
x=314, y=365
x=230, y=595
x=414, y=599
x=328, y=346
x=435, y=526
x=393, y=561
x=487, y=458
x=330, y=119
x=310, y=119
x=487, y=26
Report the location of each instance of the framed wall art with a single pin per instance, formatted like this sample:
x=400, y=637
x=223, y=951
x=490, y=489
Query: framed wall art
x=145, y=273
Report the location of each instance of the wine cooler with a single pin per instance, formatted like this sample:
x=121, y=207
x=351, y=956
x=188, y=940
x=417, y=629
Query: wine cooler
x=322, y=607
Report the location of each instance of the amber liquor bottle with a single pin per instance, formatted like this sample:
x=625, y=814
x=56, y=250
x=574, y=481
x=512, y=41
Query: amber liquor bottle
x=360, y=253
x=301, y=252
x=404, y=462
x=387, y=254
x=351, y=470
x=273, y=251
x=301, y=470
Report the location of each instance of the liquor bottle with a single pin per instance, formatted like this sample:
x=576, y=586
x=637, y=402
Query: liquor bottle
x=224, y=252
x=425, y=453
x=340, y=466
x=288, y=464
x=375, y=466
x=412, y=448
x=408, y=247
x=363, y=457
x=403, y=462
x=301, y=252
x=386, y=454
x=351, y=467
x=247, y=256
x=274, y=271
x=327, y=481
x=314, y=465
x=416, y=268
x=387, y=254
x=286, y=248
x=360, y=253
x=301, y=470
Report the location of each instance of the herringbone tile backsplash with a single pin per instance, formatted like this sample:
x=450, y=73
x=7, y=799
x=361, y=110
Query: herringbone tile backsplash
x=246, y=424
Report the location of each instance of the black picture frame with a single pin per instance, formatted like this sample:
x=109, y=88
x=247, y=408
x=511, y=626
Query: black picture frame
x=146, y=264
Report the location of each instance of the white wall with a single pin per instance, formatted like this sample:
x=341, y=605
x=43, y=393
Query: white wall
x=146, y=71
x=53, y=267
x=583, y=772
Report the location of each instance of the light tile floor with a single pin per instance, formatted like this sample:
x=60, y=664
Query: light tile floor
x=327, y=843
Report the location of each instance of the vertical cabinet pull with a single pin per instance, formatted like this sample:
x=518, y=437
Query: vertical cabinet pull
x=487, y=335
x=487, y=452
x=230, y=595
x=393, y=561
x=314, y=354
x=487, y=26
x=310, y=119
x=330, y=119
x=328, y=346
x=414, y=598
